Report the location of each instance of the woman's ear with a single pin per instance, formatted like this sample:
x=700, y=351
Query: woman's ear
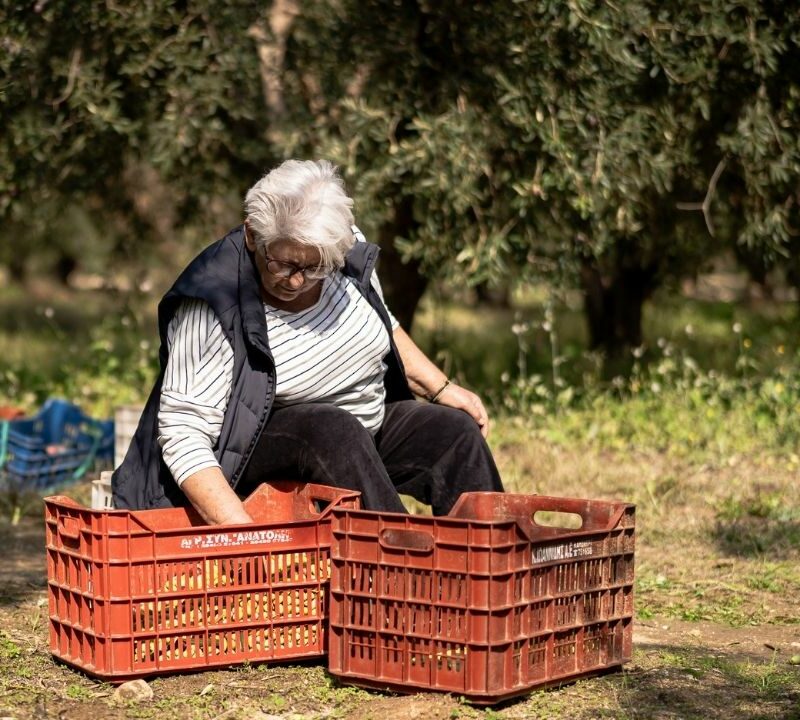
x=248, y=238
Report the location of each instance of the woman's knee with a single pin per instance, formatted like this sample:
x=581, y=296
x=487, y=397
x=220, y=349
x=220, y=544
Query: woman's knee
x=457, y=424
x=323, y=434
x=329, y=426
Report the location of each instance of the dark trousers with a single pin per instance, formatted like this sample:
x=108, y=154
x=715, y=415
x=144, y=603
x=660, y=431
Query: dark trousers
x=431, y=452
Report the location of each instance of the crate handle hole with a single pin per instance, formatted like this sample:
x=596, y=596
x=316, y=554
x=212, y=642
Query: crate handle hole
x=555, y=519
x=406, y=540
x=319, y=505
x=69, y=528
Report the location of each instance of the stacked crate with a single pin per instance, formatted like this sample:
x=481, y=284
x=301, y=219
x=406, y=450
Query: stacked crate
x=136, y=593
x=485, y=602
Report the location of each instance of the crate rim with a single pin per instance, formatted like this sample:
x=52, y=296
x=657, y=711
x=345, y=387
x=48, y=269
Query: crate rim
x=553, y=534
x=65, y=503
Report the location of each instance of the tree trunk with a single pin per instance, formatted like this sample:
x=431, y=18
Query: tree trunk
x=758, y=267
x=271, y=35
x=403, y=284
x=18, y=268
x=498, y=297
x=613, y=308
x=65, y=266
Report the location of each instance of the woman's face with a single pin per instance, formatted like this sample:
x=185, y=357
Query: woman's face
x=289, y=289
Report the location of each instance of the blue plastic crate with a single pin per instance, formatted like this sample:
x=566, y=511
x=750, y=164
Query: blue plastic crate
x=56, y=446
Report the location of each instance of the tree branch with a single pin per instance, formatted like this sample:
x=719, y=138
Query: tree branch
x=705, y=206
x=72, y=75
x=271, y=49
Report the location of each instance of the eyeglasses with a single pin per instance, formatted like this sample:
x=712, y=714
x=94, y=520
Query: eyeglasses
x=282, y=269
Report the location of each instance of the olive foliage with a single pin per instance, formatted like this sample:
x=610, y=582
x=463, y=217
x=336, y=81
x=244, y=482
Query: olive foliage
x=131, y=112
x=613, y=147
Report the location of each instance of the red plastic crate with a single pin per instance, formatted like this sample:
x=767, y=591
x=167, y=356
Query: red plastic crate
x=136, y=593
x=485, y=602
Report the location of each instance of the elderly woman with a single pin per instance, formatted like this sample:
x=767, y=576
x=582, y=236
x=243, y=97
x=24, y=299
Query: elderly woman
x=279, y=359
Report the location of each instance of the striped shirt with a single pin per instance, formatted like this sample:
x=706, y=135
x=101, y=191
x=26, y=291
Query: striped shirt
x=331, y=352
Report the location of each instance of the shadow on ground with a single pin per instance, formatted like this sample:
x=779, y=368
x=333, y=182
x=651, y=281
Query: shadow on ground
x=683, y=681
x=752, y=536
x=23, y=571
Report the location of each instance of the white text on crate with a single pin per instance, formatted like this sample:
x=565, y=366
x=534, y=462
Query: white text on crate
x=235, y=539
x=564, y=551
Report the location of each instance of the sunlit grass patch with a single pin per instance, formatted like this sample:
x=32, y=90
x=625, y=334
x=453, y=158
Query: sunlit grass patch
x=92, y=348
x=672, y=407
x=712, y=381
x=719, y=336
x=734, y=599
x=764, y=521
x=779, y=578
x=9, y=650
x=772, y=679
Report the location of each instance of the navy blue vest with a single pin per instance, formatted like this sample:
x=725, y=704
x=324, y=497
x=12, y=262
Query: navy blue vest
x=224, y=275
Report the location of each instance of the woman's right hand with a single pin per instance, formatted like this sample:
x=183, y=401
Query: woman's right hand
x=215, y=500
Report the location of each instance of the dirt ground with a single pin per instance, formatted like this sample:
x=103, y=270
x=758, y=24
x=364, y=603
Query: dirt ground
x=717, y=631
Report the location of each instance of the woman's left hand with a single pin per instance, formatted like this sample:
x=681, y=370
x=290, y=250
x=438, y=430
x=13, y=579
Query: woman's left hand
x=424, y=379
x=458, y=397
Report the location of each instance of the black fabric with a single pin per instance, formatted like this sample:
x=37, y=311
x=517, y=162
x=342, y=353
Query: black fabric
x=431, y=452
x=224, y=275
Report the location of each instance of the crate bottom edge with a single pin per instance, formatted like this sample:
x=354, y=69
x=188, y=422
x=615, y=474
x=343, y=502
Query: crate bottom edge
x=476, y=698
x=124, y=676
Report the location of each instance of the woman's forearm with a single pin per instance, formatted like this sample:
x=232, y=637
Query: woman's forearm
x=430, y=382
x=215, y=500
x=424, y=378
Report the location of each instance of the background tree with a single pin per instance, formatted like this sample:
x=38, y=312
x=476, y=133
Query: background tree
x=623, y=144
x=387, y=90
x=611, y=147
x=145, y=116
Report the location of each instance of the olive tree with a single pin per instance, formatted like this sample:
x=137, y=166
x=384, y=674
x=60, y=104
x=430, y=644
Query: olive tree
x=612, y=147
x=616, y=147
x=143, y=115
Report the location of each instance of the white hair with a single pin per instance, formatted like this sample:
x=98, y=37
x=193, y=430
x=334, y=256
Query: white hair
x=303, y=201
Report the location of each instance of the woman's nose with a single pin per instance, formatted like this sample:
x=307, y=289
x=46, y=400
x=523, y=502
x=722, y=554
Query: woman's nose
x=297, y=279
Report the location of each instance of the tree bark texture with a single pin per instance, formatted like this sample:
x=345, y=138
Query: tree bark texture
x=402, y=282
x=613, y=303
x=271, y=36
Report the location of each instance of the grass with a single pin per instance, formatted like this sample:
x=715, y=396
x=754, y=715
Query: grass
x=771, y=680
x=702, y=438
x=96, y=348
x=8, y=649
x=482, y=345
x=759, y=523
x=685, y=568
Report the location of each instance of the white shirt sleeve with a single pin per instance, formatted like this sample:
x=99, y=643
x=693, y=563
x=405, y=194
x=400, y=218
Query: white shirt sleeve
x=195, y=390
x=376, y=283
